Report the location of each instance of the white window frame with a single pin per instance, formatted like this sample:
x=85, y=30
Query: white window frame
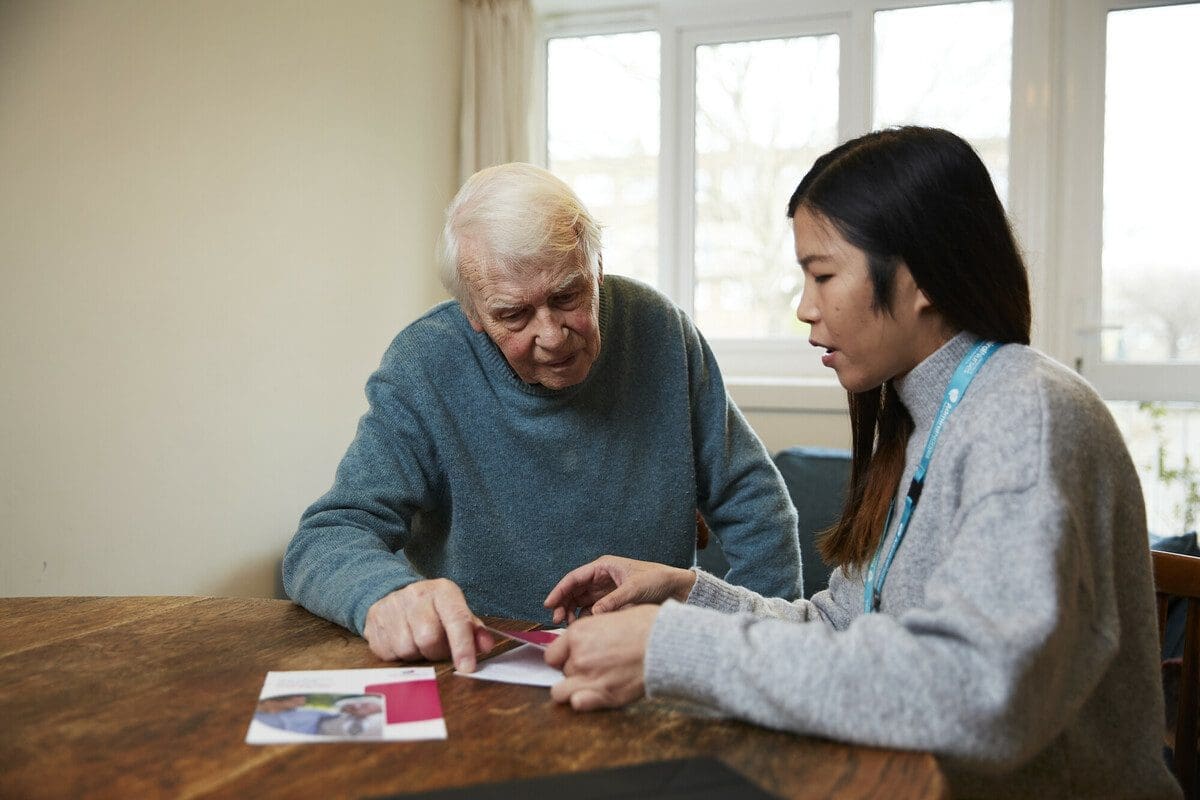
x=1055, y=179
x=1081, y=216
x=749, y=358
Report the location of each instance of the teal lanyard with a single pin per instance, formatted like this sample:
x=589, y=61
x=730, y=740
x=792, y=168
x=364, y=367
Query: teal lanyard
x=963, y=375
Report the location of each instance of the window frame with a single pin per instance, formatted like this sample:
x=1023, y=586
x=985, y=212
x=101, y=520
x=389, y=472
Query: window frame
x=1055, y=179
x=1080, y=322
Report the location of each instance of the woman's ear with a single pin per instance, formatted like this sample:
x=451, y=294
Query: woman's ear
x=906, y=292
x=923, y=305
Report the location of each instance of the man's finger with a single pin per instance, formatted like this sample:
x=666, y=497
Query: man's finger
x=391, y=641
x=458, y=623
x=380, y=646
x=428, y=634
x=484, y=640
x=403, y=644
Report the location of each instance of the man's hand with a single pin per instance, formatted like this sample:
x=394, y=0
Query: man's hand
x=426, y=620
x=603, y=659
x=612, y=582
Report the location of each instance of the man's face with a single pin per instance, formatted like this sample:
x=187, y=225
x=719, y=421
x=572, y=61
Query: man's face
x=546, y=320
x=361, y=708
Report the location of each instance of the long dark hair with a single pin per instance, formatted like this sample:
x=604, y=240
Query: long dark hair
x=921, y=197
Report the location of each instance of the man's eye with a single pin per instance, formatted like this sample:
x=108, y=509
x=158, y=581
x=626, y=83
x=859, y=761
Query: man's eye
x=566, y=298
x=819, y=278
x=510, y=316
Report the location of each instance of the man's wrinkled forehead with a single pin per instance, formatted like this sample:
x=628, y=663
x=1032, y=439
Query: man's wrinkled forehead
x=534, y=291
x=534, y=277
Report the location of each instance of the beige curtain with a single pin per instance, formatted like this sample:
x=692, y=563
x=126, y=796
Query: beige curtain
x=498, y=44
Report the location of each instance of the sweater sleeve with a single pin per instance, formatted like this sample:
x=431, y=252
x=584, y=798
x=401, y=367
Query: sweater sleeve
x=740, y=492
x=713, y=593
x=347, y=553
x=1012, y=637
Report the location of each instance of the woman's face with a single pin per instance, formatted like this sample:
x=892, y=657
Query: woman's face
x=864, y=345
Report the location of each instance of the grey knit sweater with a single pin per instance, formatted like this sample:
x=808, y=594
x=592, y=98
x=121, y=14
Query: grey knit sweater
x=1017, y=639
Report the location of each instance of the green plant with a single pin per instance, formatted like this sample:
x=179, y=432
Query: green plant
x=1186, y=475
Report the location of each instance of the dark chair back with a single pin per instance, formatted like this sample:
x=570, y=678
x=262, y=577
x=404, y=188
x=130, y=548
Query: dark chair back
x=816, y=478
x=1178, y=576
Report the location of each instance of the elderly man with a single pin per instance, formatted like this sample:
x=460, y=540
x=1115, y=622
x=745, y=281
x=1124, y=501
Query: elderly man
x=546, y=416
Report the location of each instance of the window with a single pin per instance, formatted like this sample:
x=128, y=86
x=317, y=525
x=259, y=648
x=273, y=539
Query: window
x=1082, y=110
x=750, y=152
x=742, y=109
x=1150, y=266
x=603, y=140
x=1164, y=442
x=949, y=66
x=1130, y=274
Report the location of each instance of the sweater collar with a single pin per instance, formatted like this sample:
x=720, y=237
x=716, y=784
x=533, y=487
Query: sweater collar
x=921, y=390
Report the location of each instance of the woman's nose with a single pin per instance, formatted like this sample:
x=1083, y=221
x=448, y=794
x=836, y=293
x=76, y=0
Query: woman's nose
x=806, y=309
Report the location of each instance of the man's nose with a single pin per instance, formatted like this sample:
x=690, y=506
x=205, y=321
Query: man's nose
x=551, y=333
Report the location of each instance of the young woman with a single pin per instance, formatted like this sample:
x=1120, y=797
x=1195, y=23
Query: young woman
x=992, y=601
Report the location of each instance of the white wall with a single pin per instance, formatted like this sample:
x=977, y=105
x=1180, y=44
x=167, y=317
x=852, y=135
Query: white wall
x=213, y=218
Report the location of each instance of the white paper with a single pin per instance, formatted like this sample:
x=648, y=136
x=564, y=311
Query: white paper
x=525, y=665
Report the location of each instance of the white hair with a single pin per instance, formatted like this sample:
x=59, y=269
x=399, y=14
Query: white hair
x=514, y=216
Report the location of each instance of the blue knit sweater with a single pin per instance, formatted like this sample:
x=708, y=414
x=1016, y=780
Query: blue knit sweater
x=461, y=470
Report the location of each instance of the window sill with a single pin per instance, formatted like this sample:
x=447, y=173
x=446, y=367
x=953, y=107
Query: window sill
x=796, y=395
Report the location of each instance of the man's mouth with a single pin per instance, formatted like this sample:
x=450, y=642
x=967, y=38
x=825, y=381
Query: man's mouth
x=562, y=362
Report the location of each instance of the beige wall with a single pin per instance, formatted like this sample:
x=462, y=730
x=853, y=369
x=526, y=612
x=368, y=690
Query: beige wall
x=779, y=429
x=213, y=217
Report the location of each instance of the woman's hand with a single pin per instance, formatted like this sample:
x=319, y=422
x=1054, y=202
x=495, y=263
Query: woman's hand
x=611, y=582
x=603, y=659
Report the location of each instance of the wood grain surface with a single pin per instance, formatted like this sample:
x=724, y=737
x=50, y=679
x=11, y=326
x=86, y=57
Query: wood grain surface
x=152, y=697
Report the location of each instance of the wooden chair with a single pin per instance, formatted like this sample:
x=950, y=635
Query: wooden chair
x=702, y=532
x=1178, y=576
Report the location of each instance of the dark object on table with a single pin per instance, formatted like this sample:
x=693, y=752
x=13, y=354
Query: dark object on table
x=680, y=779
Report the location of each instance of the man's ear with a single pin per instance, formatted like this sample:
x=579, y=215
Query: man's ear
x=472, y=318
x=468, y=304
x=599, y=269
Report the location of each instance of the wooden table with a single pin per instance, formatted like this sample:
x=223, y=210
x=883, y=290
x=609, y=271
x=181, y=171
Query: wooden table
x=152, y=696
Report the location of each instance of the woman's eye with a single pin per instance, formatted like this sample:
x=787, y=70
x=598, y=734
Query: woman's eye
x=819, y=278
